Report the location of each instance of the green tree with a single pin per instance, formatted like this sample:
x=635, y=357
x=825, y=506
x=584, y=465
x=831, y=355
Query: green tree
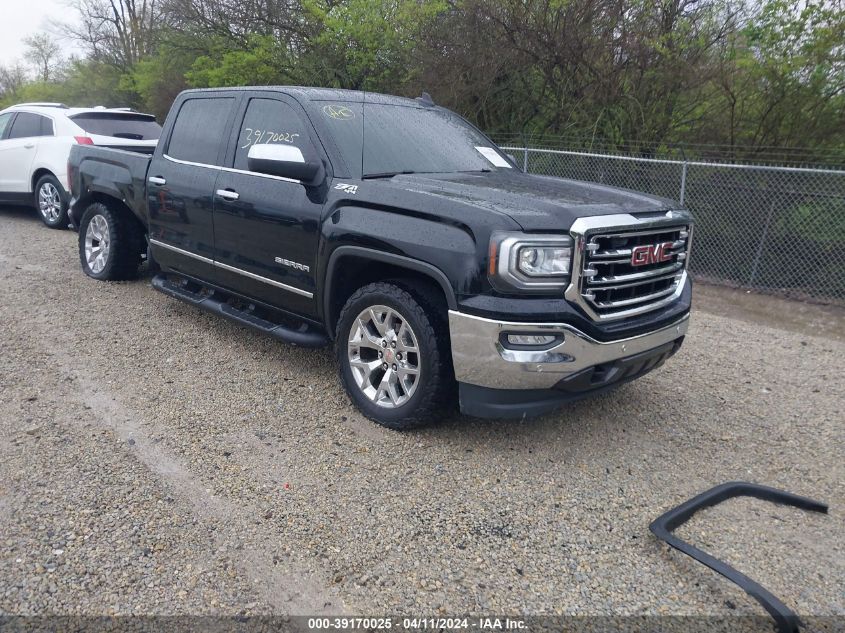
x=367, y=44
x=636, y=75
x=262, y=61
x=783, y=77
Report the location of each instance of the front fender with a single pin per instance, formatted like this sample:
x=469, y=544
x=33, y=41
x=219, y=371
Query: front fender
x=443, y=251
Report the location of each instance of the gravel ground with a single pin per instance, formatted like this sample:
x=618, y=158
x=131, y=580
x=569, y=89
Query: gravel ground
x=155, y=459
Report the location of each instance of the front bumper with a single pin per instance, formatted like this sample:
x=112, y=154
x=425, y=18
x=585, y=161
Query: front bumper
x=497, y=380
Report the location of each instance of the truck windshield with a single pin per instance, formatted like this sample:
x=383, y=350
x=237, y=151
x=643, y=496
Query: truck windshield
x=387, y=139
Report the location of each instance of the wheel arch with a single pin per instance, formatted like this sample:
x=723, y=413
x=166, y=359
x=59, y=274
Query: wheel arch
x=77, y=210
x=38, y=174
x=350, y=267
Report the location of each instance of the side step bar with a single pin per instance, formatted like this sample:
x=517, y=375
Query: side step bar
x=255, y=317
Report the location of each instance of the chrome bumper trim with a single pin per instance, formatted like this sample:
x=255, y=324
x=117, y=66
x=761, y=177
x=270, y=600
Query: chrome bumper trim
x=480, y=358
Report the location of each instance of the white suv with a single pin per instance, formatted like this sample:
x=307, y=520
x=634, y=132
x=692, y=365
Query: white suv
x=35, y=141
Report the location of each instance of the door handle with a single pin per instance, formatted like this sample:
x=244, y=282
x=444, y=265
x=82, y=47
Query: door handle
x=228, y=194
x=29, y=145
x=157, y=180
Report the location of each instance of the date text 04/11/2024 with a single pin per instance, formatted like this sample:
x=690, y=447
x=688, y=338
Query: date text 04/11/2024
x=410, y=623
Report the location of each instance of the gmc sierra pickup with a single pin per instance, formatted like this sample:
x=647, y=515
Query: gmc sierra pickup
x=399, y=232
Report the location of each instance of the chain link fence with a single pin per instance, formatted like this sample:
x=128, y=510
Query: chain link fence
x=773, y=229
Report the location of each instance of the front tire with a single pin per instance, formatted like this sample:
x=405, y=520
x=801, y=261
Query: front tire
x=391, y=359
x=108, y=244
x=51, y=202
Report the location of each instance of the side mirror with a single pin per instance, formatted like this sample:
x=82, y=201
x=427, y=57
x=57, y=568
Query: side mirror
x=286, y=161
x=512, y=158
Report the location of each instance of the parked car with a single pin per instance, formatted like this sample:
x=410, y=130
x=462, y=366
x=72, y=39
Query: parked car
x=35, y=140
x=399, y=232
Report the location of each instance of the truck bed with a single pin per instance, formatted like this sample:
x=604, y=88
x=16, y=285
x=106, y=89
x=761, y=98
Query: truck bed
x=119, y=173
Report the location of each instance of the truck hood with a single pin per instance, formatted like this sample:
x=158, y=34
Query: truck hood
x=536, y=203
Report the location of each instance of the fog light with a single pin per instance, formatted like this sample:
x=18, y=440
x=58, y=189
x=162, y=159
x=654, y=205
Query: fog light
x=530, y=339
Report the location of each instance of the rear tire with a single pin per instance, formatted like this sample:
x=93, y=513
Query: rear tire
x=391, y=355
x=51, y=202
x=108, y=244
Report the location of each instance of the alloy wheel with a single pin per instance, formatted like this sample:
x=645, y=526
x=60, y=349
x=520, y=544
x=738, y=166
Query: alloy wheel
x=384, y=356
x=50, y=202
x=97, y=243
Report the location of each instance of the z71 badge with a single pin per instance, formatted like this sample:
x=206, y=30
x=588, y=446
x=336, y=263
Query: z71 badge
x=350, y=189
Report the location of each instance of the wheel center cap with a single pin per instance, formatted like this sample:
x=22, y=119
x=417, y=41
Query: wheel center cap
x=388, y=355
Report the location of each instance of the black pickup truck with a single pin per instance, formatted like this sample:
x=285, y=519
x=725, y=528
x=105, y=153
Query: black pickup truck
x=399, y=232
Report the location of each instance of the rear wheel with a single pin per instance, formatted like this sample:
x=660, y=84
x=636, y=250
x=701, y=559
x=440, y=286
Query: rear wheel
x=390, y=356
x=108, y=244
x=51, y=202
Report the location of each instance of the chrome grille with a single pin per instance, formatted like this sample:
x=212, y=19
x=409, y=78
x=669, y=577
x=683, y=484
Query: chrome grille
x=614, y=287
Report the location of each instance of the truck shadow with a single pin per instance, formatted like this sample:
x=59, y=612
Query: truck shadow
x=633, y=412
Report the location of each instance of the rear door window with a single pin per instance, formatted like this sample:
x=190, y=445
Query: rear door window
x=128, y=125
x=4, y=123
x=199, y=131
x=269, y=121
x=27, y=124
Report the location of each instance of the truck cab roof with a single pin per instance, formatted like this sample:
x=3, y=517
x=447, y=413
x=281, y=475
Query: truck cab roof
x=307, y=93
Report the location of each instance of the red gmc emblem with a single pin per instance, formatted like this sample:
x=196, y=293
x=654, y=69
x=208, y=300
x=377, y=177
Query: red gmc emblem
x=652, y=254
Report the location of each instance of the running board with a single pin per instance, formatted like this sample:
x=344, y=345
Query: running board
x=252, y=316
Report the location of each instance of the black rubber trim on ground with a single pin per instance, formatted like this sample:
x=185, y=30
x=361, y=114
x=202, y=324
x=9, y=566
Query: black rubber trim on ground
x=786, y=620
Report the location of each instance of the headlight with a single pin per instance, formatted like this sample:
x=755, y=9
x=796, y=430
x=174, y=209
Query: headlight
x=529, y=263
x=543, y=261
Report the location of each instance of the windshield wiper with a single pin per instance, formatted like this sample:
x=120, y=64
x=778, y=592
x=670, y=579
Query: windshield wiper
x=386, y=174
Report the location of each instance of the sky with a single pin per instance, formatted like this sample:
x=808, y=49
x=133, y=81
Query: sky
x=25, y=17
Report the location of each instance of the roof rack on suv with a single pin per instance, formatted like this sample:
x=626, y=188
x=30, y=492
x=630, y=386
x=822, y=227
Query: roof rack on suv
x=43, y=104
x=102, y=107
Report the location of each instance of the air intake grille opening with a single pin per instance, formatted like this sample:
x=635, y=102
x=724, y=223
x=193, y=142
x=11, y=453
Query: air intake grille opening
x=630, y=272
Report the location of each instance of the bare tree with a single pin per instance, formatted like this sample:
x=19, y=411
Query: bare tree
x=118, y=32
x=44, y=52
x=12, y=77
x=239, y=19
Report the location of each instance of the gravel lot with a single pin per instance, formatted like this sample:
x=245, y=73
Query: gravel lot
x=155, y=459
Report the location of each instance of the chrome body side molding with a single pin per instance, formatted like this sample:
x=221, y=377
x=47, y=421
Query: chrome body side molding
x=240, y=271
